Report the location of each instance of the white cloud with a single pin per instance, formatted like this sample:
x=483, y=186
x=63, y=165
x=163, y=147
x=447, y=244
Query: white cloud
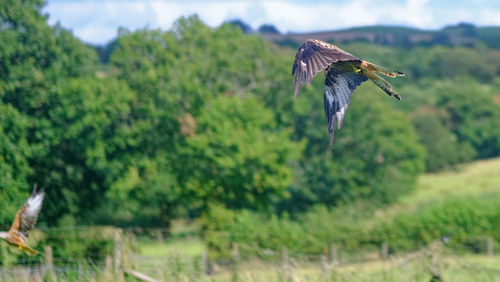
x=415, y=13
x=95, y=35
x=97, y=21
x=299, y=17
x=489, y=17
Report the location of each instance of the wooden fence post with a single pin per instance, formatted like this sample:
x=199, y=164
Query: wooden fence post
x=235, y=253
x=325, y=266
x=489, y=246
x=384, y=250
x=159, y=236
x=204, y=264
x=108, y=268
x=118, y=254
x=286, y=268
x=334, y=255
x=284, y=256
x=49, y=262
x=126, y=253
x=236, y=258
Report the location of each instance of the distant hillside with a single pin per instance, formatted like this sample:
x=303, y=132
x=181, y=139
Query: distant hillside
x=463, y=34
x=457, y=35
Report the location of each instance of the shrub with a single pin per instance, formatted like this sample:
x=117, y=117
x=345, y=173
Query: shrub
x=72, y=245
x=464, y=219
x=468, y=221
x=443, y=148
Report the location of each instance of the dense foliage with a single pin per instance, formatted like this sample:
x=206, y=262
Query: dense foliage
x=466, y=221
x=201, y=122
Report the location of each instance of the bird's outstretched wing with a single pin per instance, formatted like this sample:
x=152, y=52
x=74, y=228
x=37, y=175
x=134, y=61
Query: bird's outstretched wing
x=339, y=87
x=27, y=215
x=314, y=56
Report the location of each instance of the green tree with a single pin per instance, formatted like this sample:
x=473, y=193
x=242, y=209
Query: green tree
x=376, y=156
x=91, y=146
x=147, y=194
x=443, y=149
x=178, y=75
x=236, y=156
x=14, y=168
x=471, y=115
x=34, y=60
x=34, y=57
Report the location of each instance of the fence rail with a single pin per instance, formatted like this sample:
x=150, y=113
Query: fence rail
x=122, y=260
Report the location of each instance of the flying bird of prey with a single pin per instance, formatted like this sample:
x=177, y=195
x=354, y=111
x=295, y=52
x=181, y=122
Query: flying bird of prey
x=344, y=72
x=23, y=222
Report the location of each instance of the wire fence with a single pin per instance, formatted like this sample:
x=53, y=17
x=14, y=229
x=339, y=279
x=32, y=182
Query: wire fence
x=80, y=253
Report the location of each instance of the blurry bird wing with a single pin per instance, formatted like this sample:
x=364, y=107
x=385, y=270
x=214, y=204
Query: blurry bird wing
x=16, y=225
x=339, y=87
x=27, y=215
x=314, y=56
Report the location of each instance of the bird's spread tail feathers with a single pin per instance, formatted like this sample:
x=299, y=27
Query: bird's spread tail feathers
x=28, y=250
x=386, y=86
x=369, y=70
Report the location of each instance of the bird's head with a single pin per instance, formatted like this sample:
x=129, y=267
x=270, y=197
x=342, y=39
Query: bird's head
x=3, y=235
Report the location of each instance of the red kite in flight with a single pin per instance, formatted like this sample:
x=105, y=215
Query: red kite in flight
x=23, y=222
x=344, y=72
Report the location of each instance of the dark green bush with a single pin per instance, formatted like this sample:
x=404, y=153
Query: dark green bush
x=464, y=219
x=471, y=115
x=468, y=221
x=443, y=148
x=375, y=156
x=93, y=243
x=70, y=245
x=215, y=224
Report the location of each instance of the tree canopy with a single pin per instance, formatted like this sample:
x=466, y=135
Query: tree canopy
x=168, y=123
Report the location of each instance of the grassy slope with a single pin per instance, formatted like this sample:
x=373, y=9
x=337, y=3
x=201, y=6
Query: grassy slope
x=476, y=178
x=480, y=177
x=381, y=29
x=471, y=179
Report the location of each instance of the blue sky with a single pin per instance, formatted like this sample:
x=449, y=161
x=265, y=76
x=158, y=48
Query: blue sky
x=96, y=21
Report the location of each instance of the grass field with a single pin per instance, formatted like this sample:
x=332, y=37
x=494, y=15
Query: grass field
x=468, y=179
x=400, y=268
x=471, y=179
x=189, y=247
x=471, y=268
x=180, y=256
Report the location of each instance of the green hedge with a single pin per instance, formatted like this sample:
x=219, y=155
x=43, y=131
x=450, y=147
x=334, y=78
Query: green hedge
x=468, y=221
x=464, y=219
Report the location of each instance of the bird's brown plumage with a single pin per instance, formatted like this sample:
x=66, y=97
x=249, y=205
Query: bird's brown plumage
x=314, y=56
x=25, y=221
x=344, y=72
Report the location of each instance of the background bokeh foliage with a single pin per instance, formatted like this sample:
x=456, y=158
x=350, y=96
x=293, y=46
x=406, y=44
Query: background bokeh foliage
x=200, y=122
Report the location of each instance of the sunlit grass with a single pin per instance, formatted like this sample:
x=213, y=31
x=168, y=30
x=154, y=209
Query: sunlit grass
x=469, y=268
x=476, y=178
x=188, y=247
x=183, y=240
x=470, y=179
